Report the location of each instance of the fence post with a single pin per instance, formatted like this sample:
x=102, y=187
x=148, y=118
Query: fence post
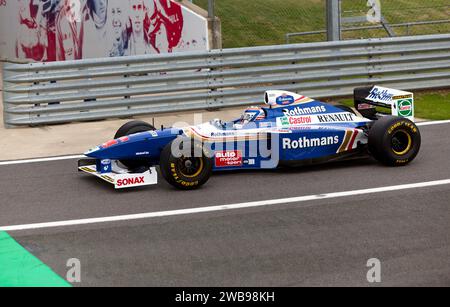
x=334, y=20
x=211, y=8
x=215, y=26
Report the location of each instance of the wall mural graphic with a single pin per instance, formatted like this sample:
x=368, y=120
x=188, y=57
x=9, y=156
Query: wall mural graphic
x=58, y=30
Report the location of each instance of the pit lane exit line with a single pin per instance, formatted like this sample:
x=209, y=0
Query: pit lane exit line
x=281, y=201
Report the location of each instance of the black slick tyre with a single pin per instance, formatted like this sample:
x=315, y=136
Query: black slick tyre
x=394, y=141
x=187, y=171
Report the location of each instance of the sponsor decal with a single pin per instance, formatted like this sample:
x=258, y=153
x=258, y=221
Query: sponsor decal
x=405, y=108
x=110, y=143
x=216, y=134
x=305, y=142
x=395, y=126
x=106, y=165
x=300, y=128
x=284, y=121
x=402, y=97
x=300, y=120
x=402, y=161
x=124, y=139
x=250, y=162
x=153, y=133
x=338, y=117
x=285, y=99
x=298, y=111
x=381, y=95
x=281, y=130
x=294, y=120
x=143, y=153
x=130, y=181
x=365, y=106
x=265, y=125
x=228, y=158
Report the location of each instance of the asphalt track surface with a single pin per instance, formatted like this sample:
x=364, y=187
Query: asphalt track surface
x=325, y=242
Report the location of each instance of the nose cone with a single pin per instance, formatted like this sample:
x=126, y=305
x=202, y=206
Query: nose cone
x=140, y=145
x=116, y=148
x=95, y=152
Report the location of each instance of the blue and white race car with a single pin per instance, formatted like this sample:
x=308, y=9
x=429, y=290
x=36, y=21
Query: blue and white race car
x=289, y=131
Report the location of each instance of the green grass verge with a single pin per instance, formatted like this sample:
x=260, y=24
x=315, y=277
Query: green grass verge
x=266, y=22
x=434, y=106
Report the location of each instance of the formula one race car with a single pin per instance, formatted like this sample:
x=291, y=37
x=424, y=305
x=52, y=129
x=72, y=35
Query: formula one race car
x=290, y=130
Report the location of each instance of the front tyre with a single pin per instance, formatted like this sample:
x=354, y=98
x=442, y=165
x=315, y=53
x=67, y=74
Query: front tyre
x=186, y=171
x=394, y=141
x=132, y=127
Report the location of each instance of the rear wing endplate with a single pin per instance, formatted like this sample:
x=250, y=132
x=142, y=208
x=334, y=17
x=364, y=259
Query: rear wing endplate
x=399, y=103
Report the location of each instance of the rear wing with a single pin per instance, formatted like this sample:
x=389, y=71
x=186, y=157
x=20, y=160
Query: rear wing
x=399, y=103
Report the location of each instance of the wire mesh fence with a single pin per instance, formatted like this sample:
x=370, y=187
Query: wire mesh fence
x=266, y=22
x=248, y=23
x=398, y=18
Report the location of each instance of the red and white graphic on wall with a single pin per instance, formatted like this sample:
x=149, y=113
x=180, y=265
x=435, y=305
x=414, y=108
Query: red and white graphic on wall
x=50, y=30
x=228, y=158
x=36, y=32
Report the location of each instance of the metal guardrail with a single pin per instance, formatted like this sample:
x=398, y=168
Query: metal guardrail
x=59, y=92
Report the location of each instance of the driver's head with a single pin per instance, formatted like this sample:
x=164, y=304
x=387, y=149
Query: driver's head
x=251, y=114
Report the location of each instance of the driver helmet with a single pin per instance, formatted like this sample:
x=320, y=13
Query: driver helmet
x=251, y=114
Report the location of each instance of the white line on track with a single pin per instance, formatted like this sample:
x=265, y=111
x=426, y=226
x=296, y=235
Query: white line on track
x=281, y=201
x=431, y=123
x=49, y=159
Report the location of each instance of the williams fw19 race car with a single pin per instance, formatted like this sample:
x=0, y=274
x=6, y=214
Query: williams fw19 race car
x=290, y=130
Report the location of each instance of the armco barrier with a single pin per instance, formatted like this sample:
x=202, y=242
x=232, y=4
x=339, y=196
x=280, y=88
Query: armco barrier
x=59, y=92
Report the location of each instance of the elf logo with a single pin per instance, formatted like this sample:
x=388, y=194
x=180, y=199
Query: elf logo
x=130, y=181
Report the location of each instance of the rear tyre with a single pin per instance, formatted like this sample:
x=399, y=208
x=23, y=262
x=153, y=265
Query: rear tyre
x=186, y=171
x=133, y=127
x=394, y=141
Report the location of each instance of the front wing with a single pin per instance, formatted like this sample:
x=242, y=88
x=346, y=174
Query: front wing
x=120, y=177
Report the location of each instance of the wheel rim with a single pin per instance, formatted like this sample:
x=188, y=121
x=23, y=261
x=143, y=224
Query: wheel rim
x=190, y=167
x=401, y=142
